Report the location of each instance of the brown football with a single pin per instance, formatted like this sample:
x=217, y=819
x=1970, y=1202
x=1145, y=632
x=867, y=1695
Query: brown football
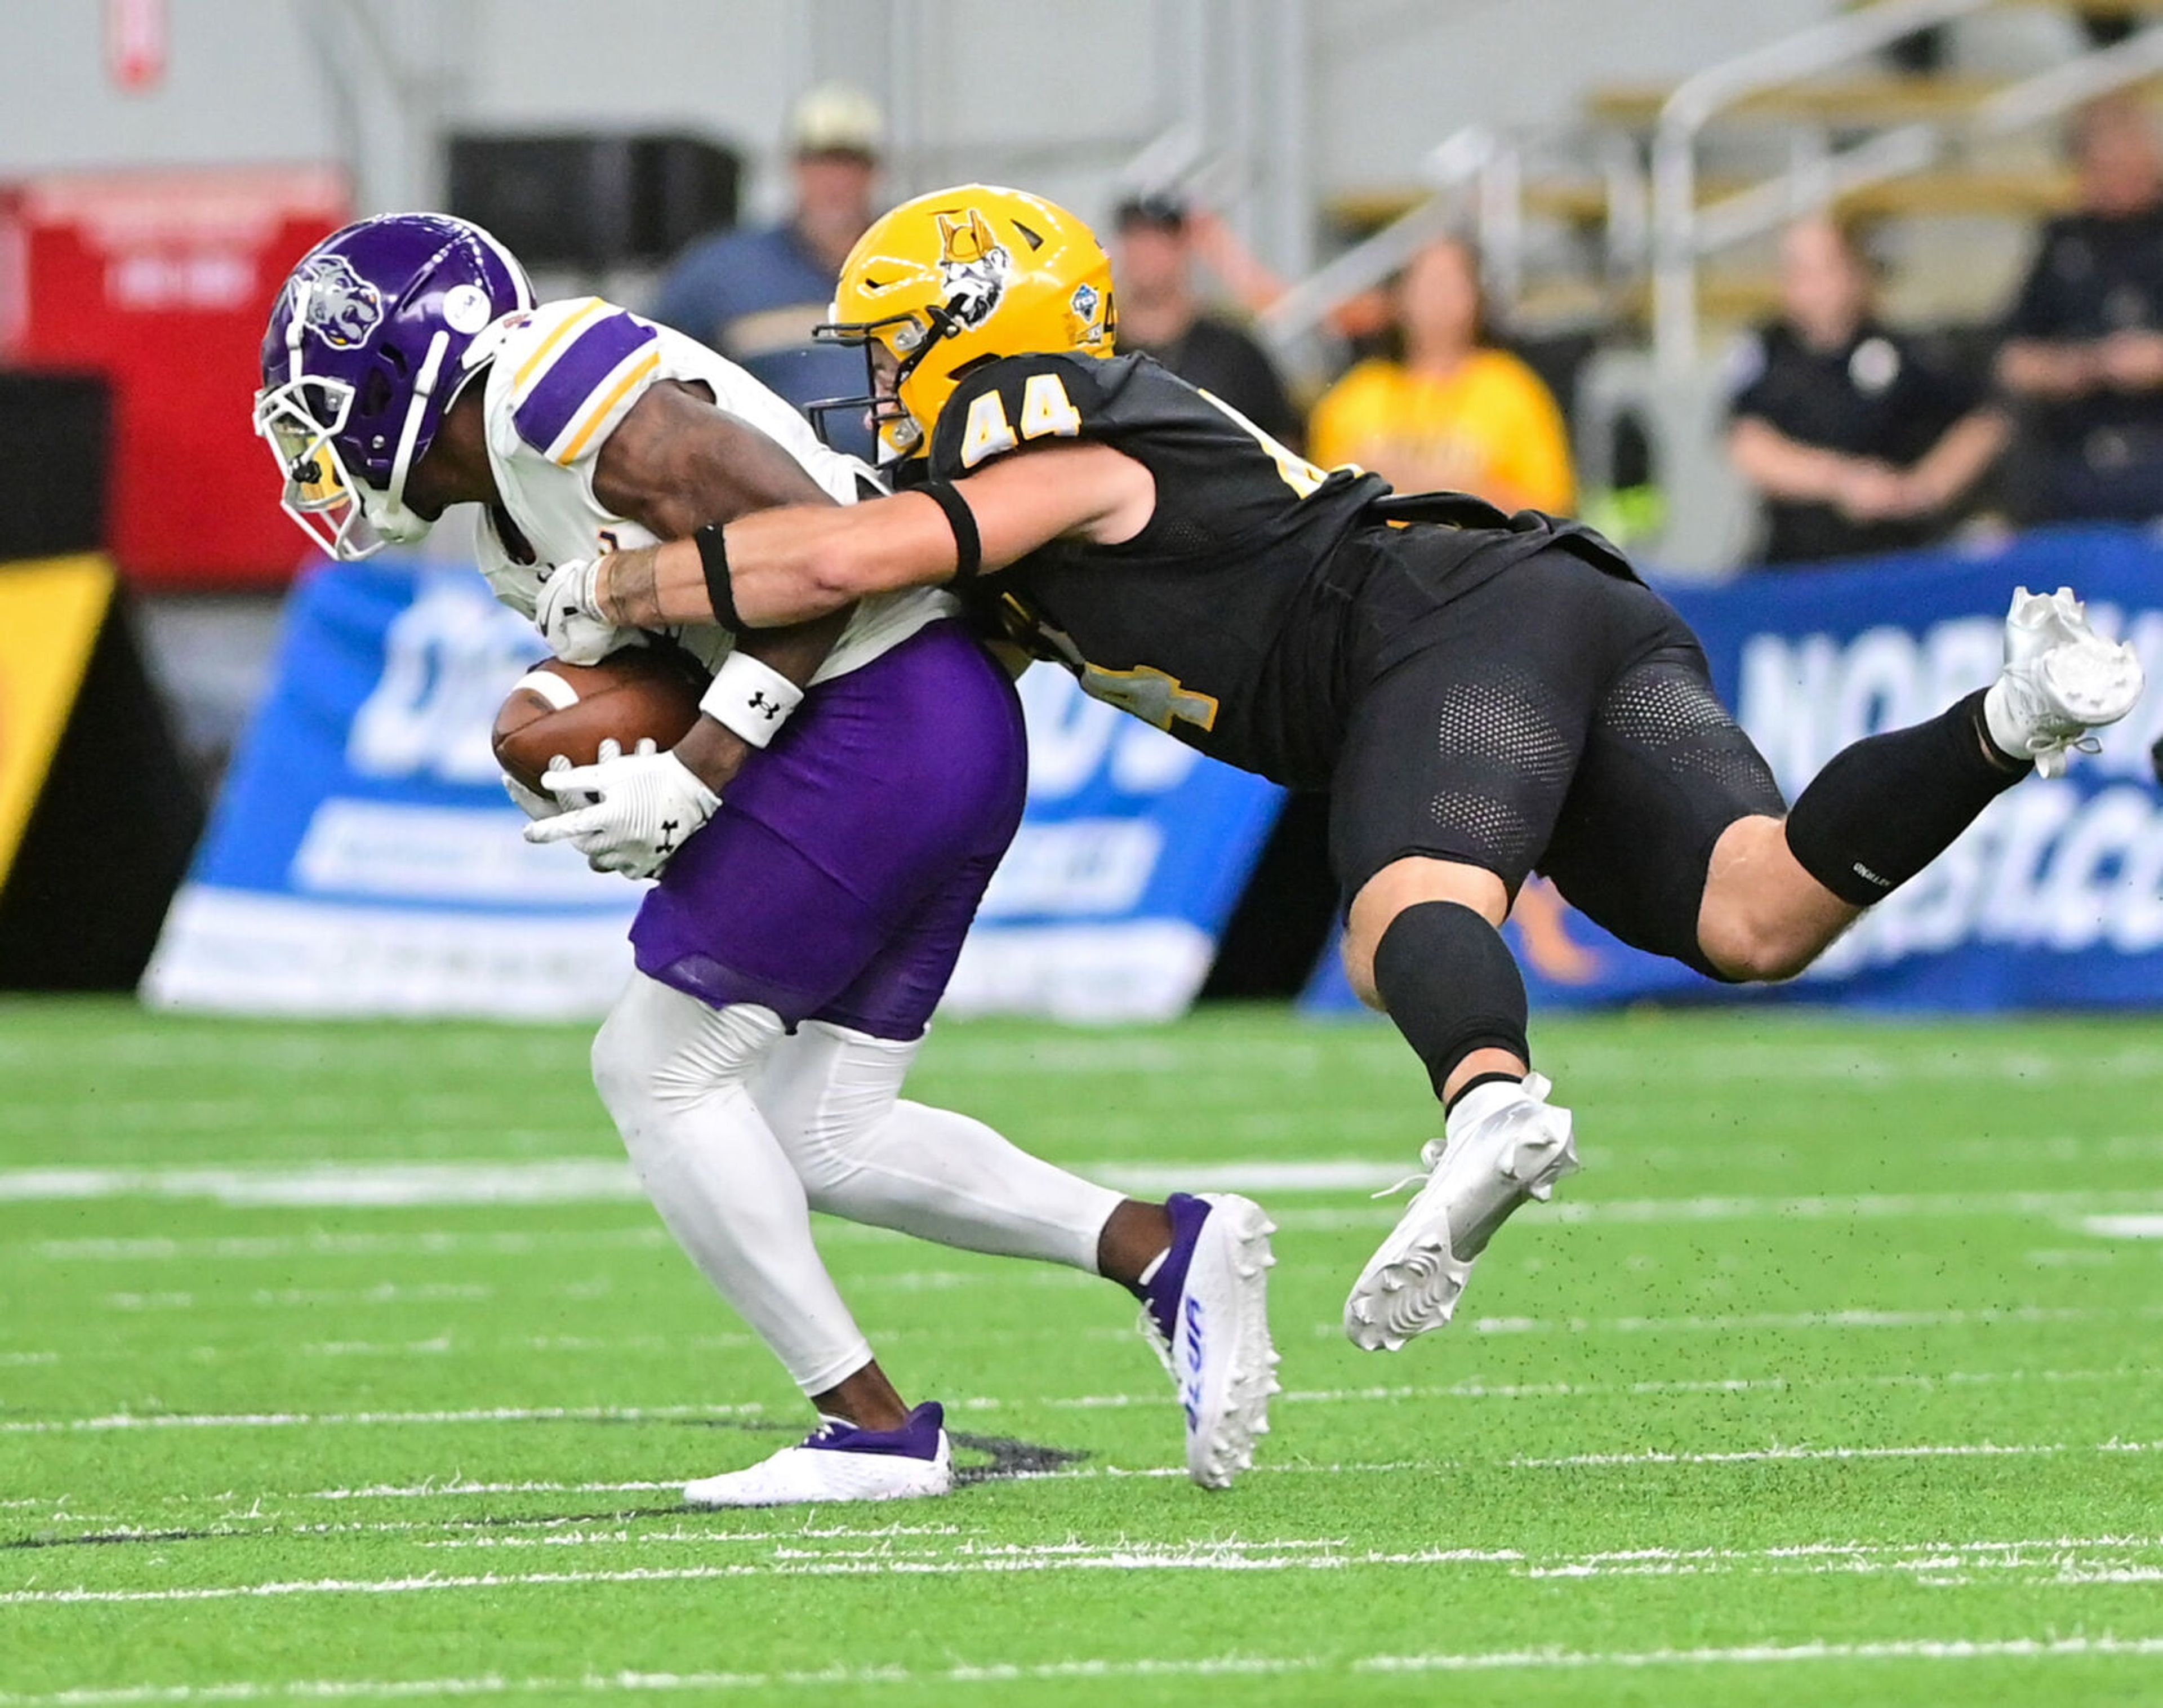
x=637, y=693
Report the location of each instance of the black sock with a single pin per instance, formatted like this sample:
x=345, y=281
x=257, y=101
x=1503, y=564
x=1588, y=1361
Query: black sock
x=1449, y=982
x=1888, y=806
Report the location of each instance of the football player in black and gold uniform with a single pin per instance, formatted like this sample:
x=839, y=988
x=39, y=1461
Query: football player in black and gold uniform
x=1481, y=696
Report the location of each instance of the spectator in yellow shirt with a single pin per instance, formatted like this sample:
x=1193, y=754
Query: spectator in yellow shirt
x=1454, y=415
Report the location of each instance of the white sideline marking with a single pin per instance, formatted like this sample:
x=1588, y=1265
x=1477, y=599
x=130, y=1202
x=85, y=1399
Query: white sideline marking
x=2124, y=1227
x=609, y=1179
x=1010, y=1673
x=287, y=1420
x=1580, y=1390
x=1758, y=1322
x=1249, y=1176
x=573, y=1179
x=969, y=1558
x=1853, y=1318
x=434, y=1243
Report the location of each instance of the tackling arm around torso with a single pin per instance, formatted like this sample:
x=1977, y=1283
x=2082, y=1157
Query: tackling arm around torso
x=801, y=564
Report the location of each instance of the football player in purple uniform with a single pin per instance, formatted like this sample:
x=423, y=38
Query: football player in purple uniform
x=821, y=839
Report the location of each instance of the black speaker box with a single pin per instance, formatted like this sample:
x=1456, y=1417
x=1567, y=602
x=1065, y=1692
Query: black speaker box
x=593, y=202
x=55, y=438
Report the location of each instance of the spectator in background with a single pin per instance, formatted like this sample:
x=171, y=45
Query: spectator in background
x=2084, y=342
x=1161, y=316
x=1453, y=414
x=1856, y=442
x=754, y=294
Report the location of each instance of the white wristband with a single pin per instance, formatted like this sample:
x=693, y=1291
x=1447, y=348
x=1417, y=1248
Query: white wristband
x=752, y=699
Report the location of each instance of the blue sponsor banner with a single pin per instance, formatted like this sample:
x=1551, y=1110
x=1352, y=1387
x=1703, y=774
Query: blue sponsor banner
x=2054, y=899
x=364, y=860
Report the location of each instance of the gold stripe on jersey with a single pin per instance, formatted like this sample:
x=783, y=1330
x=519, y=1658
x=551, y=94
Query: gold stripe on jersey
x=539, y=358
x=640, y=371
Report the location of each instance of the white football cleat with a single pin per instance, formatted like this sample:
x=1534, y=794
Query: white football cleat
x=2061, y=680
x=840, y=1461
x=1505, y=1144
x=1206, y=1311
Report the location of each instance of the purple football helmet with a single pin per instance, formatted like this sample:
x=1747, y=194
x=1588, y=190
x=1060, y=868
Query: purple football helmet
x=373, y=337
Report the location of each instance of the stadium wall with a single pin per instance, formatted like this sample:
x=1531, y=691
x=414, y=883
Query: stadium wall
x=1022, y=90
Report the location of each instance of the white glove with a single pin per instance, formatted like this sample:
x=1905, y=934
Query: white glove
x=541, y=805
x=646, y=805
x=568, y=615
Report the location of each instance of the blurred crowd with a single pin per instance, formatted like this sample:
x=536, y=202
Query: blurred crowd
x=1857, y=437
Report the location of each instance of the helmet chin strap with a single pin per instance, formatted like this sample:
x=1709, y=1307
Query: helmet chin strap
x=389, y=513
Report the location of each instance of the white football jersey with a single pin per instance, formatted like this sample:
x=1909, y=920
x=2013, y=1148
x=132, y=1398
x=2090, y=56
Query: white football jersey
x=565, y=376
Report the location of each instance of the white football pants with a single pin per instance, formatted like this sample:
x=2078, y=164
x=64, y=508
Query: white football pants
x=737, y=1131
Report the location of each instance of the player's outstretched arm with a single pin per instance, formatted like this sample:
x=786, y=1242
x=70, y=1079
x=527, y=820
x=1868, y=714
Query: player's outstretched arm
x=799, y=564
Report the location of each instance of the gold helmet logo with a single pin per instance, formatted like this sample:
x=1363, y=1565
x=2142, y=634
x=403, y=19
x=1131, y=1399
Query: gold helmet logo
x=974, y=266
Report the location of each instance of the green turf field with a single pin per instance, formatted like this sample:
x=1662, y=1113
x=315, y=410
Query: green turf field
x=1836, y=1377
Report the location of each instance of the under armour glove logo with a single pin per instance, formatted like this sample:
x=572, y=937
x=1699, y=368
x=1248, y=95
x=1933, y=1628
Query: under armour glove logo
x=769, y=709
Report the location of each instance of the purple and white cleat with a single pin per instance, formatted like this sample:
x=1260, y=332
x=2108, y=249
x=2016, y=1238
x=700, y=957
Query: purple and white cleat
x=1205, y=1310
x=837, y=1461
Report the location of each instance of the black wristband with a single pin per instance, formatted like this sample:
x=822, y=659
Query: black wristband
x=714, y=559
x=968, y=548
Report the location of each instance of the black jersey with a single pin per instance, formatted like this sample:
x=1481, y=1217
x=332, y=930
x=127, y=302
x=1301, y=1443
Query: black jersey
x=1263, y=593
x=1179, y=625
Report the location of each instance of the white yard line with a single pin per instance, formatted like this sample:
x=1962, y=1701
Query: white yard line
x=289, y=1420
x=1758, y=1322
x=2052, y=1562
x=1008, y=1672
x=609, y=1179
x=578, y=1180
x=2124, y=1227
x=278, y=1247
x=1581, y=1391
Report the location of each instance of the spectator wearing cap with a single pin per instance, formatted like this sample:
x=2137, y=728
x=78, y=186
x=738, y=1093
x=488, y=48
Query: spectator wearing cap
x=2083, y=349
x=1161, y=316
x=755, y=294
x=1855, y=439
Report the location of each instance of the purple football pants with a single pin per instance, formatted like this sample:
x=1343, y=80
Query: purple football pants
x=840, y=876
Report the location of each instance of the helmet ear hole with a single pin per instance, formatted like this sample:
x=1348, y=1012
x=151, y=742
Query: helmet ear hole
x=374, y=394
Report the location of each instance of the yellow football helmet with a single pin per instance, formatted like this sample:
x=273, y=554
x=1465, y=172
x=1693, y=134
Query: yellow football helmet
x=954, y=277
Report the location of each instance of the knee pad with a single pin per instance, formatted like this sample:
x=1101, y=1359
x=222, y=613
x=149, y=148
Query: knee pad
x=1451, y=986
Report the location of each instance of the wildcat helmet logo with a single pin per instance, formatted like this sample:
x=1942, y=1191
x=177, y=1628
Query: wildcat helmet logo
x=973, y=265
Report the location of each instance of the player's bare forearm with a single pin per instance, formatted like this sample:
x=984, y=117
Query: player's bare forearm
x=801, y=563
x=713, y=752
x=788, y=568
